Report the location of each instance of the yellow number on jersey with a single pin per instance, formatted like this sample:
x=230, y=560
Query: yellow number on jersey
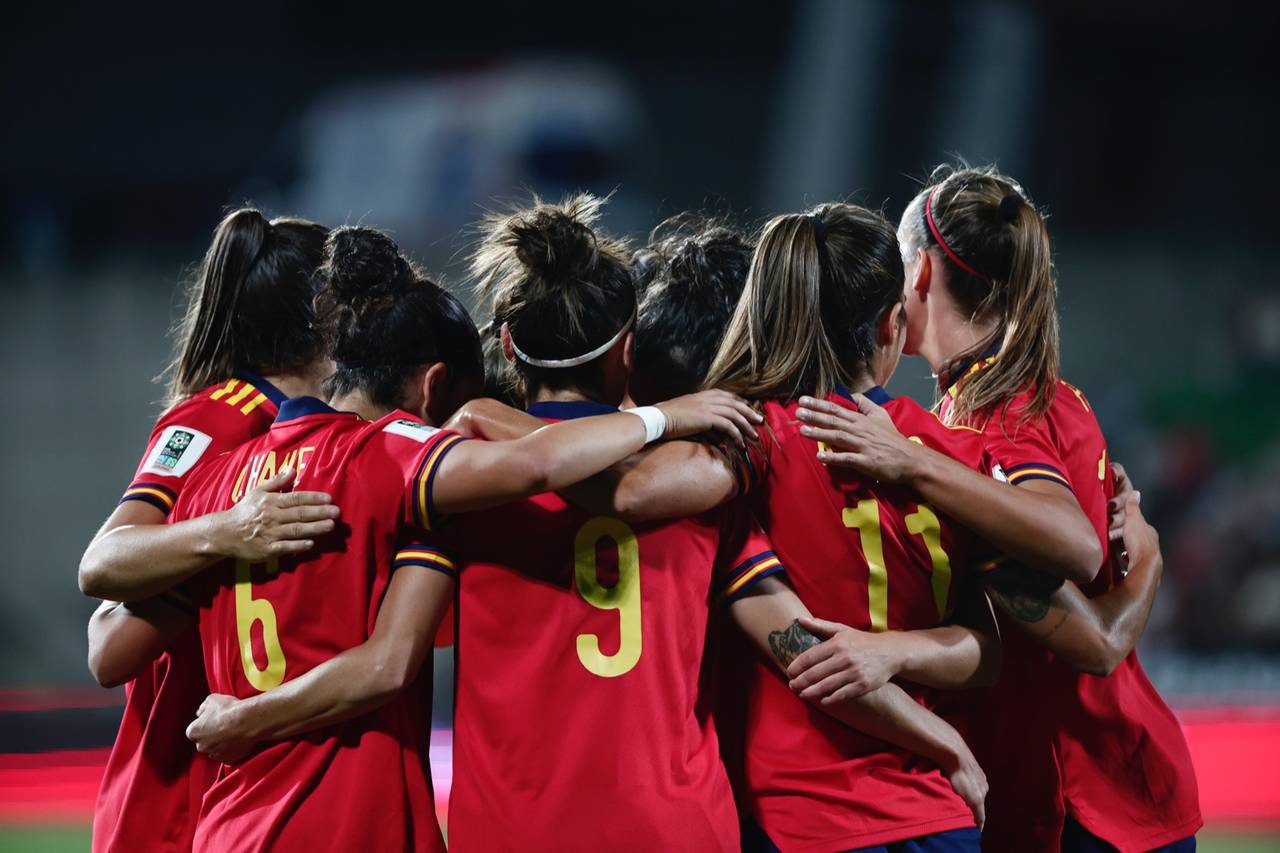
x=248, y=611
x=924, y=523
x=624, y=596
x=865, y=517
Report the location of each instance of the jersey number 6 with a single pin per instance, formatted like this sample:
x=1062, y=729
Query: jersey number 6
x=624, y=596
x=248, y=611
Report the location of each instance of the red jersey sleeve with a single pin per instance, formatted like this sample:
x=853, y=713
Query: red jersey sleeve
x=419, y=449
x=1024, y=446
x=199, y=428
x=745, y=556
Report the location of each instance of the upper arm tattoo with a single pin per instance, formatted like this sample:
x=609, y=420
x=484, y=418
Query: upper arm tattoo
x=791, y=642
x=1022, y=593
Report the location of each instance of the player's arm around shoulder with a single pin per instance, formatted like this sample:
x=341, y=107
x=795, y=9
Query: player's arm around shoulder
x=136, y=554
x=482, y=474
x=1039, y=521
x=669, y=479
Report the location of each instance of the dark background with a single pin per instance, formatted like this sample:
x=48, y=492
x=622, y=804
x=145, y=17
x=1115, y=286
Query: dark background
x=128, y=131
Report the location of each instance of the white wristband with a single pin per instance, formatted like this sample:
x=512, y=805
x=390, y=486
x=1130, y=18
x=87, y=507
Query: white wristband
x=655, y=422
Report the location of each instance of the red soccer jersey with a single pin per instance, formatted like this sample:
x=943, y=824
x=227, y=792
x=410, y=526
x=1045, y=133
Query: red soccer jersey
x=365, y=783
x=1111, y=753
x=154, y=778
x=875, y=558
x=582, y=718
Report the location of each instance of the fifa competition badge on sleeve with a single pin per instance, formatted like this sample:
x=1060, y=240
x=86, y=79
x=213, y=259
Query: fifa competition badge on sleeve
x=411, y=429
x=176, y=451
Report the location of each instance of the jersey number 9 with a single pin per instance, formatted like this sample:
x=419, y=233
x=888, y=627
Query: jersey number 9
x=624, y=596
x=248, y=611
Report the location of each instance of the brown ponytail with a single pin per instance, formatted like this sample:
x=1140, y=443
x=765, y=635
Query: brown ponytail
x=249, y=305
x=995, y=247
x=818, y=283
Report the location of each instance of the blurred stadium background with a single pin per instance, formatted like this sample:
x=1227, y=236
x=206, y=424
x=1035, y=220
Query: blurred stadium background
x=1140, y=127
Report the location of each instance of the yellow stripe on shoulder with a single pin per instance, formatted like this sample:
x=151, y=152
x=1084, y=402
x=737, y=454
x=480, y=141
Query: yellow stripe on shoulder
x=245, y=391
x=253, y=404
x=225, y=389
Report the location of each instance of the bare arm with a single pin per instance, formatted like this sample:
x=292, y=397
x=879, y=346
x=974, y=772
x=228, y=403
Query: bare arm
x=770, y=615
x=344, y=687
x=672, y=479
x=124, y=638
x=136, y=555
x=1091, y=634
x=1039, y=522
x=964, y=654
x=476, y=475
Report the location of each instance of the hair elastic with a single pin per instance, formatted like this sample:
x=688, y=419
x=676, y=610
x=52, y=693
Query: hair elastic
x=577, y=359
x=1009, y=207
x=937, y=236
x=819, y=231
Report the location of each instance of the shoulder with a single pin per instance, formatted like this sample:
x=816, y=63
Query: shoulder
x=231, y=411
x=918, y=424
x=403, y=431
x=402, y=437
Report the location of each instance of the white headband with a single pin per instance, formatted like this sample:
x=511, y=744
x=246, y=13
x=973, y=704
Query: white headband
x=576, y=360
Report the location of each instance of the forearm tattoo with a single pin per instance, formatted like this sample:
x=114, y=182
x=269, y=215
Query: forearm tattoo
x=790, y=643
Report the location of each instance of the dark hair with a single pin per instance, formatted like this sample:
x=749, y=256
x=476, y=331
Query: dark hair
x=249, y=305
x=691, y=276
x=995, y=248
x=383, y=319
x=562, y=288
x=818, y=284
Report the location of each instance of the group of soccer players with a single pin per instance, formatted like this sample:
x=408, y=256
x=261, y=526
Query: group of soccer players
x=757, y=616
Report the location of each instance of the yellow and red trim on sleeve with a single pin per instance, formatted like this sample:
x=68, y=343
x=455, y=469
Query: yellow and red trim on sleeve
x=1036, y=471
x=161, y=497
x=423, y=510
x=748, y=573
x=420, y=554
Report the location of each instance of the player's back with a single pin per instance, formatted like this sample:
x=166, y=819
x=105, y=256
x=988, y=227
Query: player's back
x=875, y=558
x=1113, y=755
x=363, y=783
x=153, y=769
x=582, y=719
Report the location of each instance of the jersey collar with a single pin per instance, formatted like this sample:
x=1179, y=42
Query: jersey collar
x=966, y=367
x=300, y=407
x=875, y=394
x=567, y=410
x=274, y=394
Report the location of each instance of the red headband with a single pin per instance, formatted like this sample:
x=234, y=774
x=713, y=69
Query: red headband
x=937, y=236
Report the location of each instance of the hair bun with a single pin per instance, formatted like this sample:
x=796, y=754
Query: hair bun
x=364, y=262
x=554, y=244
x=1010, y=205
